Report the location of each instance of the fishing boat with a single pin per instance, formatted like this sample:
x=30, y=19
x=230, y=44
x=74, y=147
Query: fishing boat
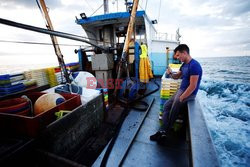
x=113, y=127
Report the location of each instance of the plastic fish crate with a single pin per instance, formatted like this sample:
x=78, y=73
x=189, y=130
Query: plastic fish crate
x=12, y=77
x=5, y=90
x=12, y=124
x=5, y=77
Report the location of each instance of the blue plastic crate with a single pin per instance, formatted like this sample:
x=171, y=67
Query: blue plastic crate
x=163, y=101
x=5, y=77
x=11, y=89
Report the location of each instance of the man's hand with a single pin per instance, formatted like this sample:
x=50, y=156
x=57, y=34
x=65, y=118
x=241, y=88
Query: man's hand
x=190, y=88
x=181, y=99
x=175, y=75
x=169, y=71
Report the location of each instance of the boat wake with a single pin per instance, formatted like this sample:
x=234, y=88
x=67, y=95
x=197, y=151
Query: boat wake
x=226, y=108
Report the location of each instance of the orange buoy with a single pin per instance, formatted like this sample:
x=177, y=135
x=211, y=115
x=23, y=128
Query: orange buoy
x=47, y=101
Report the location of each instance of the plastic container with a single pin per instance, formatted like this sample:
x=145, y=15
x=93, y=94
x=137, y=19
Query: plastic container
x=18, y=106
x=5, y=90
x=31, y=126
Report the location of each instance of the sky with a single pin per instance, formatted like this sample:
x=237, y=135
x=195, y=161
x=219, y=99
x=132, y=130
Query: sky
x=211, y=28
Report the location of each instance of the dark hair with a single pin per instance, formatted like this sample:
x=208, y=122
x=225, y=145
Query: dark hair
x=181, y=48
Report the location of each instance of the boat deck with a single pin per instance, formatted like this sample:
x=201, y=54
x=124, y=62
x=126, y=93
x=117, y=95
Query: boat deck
x=143, y=152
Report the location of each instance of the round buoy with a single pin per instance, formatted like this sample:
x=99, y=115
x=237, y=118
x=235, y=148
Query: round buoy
x=47, y=101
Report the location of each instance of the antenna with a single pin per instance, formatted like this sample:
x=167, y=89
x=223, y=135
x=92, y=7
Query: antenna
x=178, y=36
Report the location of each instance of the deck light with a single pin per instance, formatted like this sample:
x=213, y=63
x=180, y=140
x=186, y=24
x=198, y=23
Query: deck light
x=154, y=21
x=83, y=16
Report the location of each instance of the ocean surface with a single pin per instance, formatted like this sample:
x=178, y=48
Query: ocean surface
x=225, y=98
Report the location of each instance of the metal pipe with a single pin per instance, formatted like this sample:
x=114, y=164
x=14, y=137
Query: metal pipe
x=49, y=32
x=106, y=6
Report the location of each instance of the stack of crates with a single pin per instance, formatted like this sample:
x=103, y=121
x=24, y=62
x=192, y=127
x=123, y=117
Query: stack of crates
x=169, y=87
x=72, y=67
x=52, y=79
x=106, y=99
x=59, y=76
x=11, y=83
x=39, y=75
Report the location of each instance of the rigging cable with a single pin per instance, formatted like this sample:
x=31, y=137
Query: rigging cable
x=89, y=5
x=158, y=20
x=79, y=36
x=146, y=5
x=141, y=7
x=39, y=43
x=38, y=4
x=96, y=10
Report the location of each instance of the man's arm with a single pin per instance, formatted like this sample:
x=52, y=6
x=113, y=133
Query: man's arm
x=192, y=86
x=174, y=76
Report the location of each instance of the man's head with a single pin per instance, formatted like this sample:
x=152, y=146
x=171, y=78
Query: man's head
x=181, y=52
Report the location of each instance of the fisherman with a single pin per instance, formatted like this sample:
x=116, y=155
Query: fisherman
x=191, y=73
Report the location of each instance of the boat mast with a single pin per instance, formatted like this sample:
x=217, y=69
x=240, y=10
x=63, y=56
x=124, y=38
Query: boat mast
x=127, y=40
x=130, y=27
x=106, y=6
x=54, y=41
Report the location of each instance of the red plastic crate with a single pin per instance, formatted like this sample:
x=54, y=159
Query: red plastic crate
x=31, y=126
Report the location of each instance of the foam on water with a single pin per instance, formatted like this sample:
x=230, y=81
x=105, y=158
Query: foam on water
x=225, y=98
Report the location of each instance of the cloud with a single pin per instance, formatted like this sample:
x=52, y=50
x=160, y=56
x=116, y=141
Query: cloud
x=211, y=27
x=28, y=3
x=236, y=8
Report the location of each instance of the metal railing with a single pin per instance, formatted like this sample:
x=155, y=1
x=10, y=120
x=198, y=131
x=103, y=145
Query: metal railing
x=164, y=36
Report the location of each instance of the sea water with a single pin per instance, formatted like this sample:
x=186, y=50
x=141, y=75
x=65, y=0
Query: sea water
x=225, y=99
